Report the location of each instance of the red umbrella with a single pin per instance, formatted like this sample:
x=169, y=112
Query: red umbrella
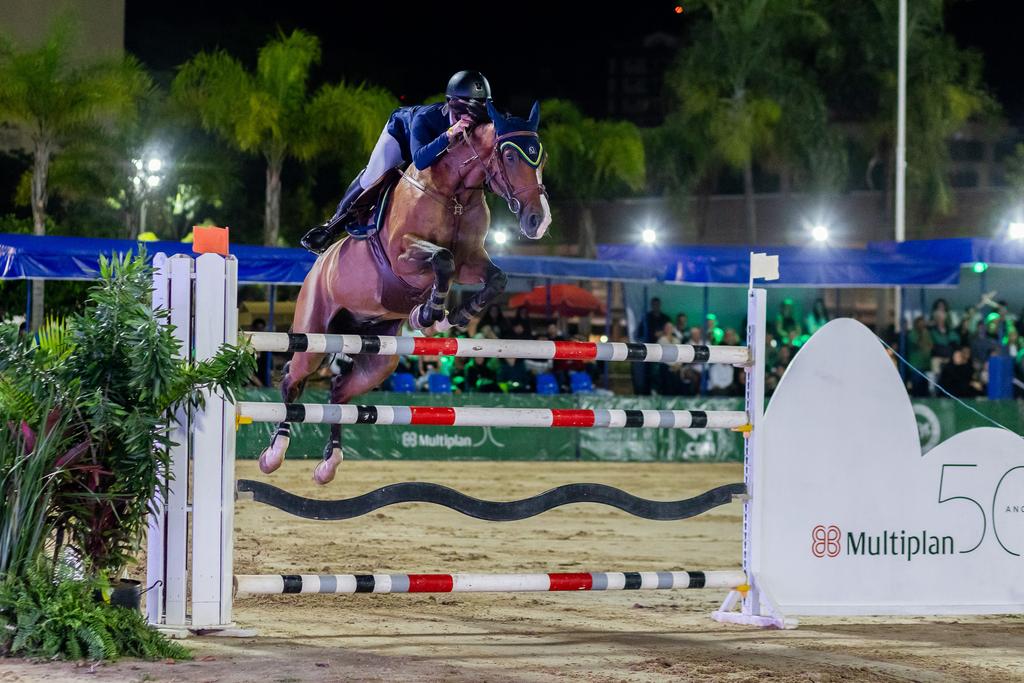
x=569, y=300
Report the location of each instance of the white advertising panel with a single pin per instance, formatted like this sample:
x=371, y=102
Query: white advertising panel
x=851, y=518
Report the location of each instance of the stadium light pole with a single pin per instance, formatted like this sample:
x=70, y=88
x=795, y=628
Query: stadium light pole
x=901, y=147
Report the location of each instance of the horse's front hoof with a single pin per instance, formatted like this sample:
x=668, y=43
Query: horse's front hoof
x=459, y=323
x=325, y=471
x=273, y=457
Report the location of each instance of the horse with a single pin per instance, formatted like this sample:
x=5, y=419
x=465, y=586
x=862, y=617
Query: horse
x=432, y=227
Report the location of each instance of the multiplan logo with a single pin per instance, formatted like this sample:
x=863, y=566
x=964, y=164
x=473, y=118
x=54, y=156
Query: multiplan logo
x=825, y=541
x=446, y=441
x=828, y=541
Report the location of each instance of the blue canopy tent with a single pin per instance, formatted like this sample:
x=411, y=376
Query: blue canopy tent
x=77, y=258
x=798, y=266
x=957, y=251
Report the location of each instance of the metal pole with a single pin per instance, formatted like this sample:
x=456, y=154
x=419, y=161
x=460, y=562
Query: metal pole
x=643, y=321
x=901, y=145
x=268, y=363
x=608, y=334
x=902, y=339
x=547, y=297
x=28, y=305
x=703, y=387
x=645, y=373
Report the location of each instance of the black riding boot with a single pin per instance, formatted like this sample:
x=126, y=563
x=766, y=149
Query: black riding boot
x=322, y=236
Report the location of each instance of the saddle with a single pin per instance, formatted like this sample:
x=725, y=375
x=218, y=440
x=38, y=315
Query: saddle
x=371, y=206
x=368, y=206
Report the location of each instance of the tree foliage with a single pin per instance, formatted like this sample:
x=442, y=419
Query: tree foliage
x=589, y=159
x=745, y=93
x=945, y=90
x=54, y=100
x=272, y=111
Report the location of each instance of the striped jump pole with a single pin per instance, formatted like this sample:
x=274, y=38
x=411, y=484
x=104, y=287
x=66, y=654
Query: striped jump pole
x=498, y=348
x=324, y=413
x=280, y=584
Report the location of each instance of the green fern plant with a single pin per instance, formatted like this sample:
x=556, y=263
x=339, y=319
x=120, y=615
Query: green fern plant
x=47, y=612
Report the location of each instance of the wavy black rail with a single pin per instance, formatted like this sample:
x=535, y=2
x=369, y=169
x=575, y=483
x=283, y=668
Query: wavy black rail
x=490, y=510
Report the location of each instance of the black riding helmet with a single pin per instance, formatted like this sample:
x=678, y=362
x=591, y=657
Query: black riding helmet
x=467, y=93
x=468, y=85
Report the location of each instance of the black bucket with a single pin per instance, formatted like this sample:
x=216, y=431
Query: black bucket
x=126, y=593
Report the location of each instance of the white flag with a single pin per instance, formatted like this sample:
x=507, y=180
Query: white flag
x=764, y=267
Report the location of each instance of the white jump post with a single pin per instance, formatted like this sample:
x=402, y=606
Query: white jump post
x=203, y=464
x=201, y=296
x=756, y=606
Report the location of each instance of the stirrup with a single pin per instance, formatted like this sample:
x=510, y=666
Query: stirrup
x=319, y=238
x=361, y=232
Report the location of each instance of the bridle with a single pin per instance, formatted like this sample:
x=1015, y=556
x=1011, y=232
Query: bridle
x=509, y=192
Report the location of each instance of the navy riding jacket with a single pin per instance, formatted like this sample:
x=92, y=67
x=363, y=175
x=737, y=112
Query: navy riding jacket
x=422, y=133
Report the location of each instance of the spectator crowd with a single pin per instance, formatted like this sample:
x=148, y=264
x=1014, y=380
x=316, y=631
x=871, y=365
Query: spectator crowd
x=953, y=348
x=948, y=349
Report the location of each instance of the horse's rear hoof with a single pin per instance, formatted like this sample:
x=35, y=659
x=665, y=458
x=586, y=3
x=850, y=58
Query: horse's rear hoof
x=324, y=472
x=273, y=457
x=268, y=463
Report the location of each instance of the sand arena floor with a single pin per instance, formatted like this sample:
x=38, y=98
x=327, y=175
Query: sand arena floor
x=612, y=636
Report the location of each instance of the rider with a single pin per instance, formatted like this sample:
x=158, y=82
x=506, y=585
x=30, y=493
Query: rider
x=418, y=135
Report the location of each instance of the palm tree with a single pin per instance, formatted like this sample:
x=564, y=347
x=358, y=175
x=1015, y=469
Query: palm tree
x=589, y=159
x=52, y=99
x=271, y=111
x=736, y=80
x=944, y=91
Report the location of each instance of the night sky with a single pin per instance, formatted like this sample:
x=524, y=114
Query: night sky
x=527, y=49
x=538, y=50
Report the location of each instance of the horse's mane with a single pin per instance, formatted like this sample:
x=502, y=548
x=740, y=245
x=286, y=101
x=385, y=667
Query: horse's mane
x=483, y=134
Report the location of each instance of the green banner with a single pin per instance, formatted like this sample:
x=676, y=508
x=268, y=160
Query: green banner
x=406, y=442
x=937, y=419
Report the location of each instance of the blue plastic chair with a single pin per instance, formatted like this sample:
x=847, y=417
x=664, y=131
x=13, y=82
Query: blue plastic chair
x=547, y=384
x=581, y=383
x=403, y=383
x=439, y=384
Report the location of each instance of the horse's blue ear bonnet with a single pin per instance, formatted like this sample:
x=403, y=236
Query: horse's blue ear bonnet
x=519, y=134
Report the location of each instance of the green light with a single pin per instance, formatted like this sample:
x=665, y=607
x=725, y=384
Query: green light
x=980, y=267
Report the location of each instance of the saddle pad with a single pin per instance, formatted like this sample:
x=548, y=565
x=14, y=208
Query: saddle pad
x=396, y=294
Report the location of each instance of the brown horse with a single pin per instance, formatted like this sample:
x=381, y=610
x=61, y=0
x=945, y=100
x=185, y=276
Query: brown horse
x=432, y=232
